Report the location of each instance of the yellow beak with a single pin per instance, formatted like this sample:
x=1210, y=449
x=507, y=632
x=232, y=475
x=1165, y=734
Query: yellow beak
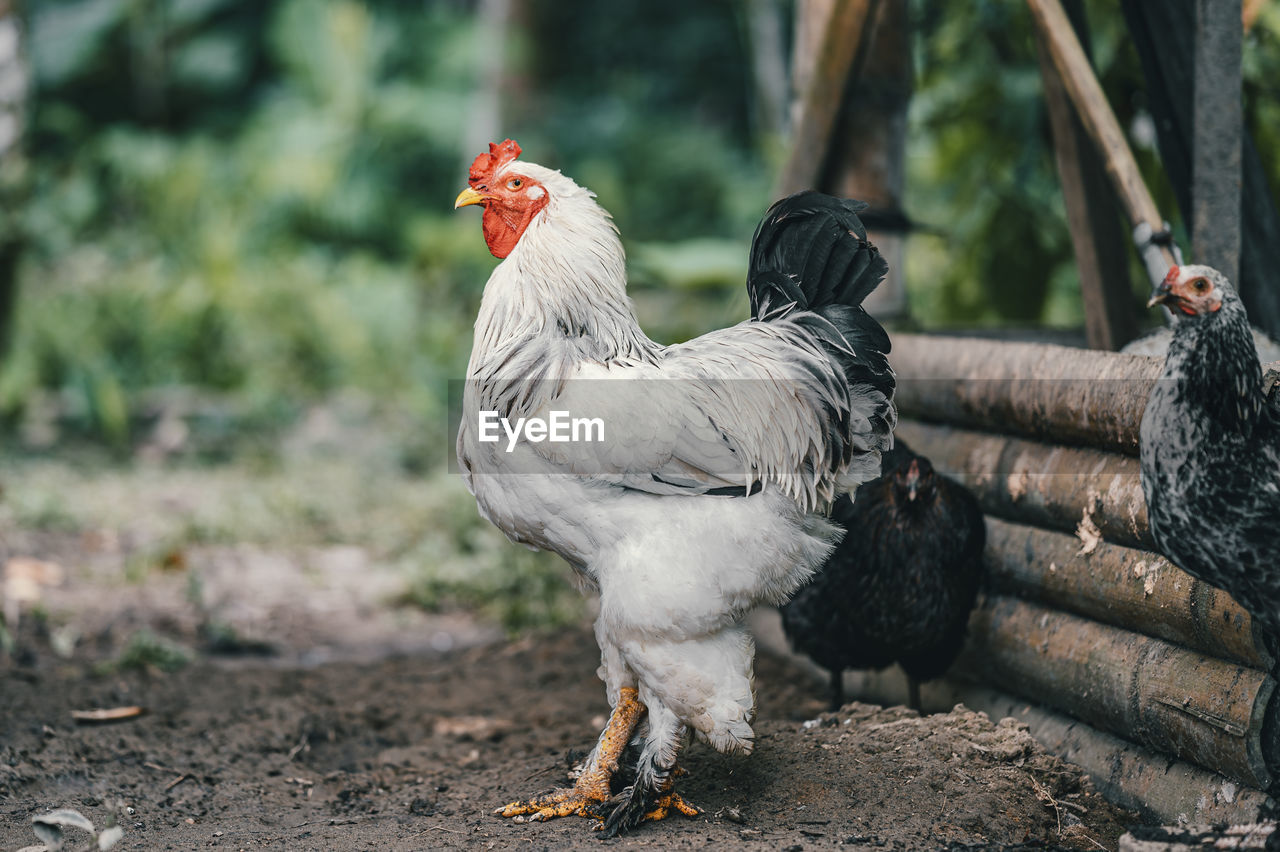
x=466, y=197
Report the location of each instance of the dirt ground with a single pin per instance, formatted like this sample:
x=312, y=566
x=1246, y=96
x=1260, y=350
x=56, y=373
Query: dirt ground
x=317, y=709
x=413, y=752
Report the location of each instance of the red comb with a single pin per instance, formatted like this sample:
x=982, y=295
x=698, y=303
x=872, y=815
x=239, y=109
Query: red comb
x=1172, y=277
x=484, y=166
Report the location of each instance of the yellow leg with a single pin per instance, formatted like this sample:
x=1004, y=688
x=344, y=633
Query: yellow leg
x=592, y=786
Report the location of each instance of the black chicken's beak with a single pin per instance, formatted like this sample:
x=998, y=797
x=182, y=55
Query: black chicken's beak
x=1163, y=291
x=1159, y=295
x=913, y=481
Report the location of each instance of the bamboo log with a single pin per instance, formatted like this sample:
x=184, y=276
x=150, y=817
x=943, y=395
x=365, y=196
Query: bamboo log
x=1095, y=113
x=1035, y=483
x=1101, y=259
x=1205, y=711
x=1073, y=396
x=1124, y=587
x=848, y=33
x=1131, y=776
x=1158, y=786
x=1198, y=837
x=1055, y=393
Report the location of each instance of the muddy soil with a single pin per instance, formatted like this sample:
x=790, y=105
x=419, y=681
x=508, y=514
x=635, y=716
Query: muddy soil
x=414, y=752
x=354, y=719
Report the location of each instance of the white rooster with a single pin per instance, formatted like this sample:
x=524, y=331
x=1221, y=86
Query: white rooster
x=719, y=458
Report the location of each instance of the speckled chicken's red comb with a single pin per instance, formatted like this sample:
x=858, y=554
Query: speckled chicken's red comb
x=484, y=166
x=1169, y=279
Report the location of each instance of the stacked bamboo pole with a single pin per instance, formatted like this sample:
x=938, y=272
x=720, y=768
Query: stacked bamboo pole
x=1169, y=791
x=1123, y=587
x=1206, y=711
x=1081, y=617
x=1163, y=789
x=1065, y=396
x=1077, y=397
x=1041, y=483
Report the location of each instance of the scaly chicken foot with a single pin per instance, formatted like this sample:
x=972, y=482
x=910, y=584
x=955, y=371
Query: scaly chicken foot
x=592, y=786
x=668, y=802
x=640, y=803
x=634, y=806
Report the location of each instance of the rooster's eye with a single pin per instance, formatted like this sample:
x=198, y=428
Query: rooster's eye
x=515, y=183
x=1200, y=285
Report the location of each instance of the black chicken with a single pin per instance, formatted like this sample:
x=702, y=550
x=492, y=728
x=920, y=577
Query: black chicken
x=1210, y=444
x=900, y=586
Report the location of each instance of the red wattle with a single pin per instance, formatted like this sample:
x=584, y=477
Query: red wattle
x=499, y=235
x=504, y=225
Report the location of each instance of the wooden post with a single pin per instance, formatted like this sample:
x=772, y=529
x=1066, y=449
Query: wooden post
x=1216, y=137
x=844, y=39
x=1163, y=36
x=1101, y=259
x=867, y=154
x=811, y=20
x=769, y=69
x=1077, y=76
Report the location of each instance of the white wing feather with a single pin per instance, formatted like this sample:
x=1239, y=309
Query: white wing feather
x=738, y=407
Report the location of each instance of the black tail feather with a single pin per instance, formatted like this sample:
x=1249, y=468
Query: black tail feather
x=810, y=255
x=818, y=243
x=811, y=264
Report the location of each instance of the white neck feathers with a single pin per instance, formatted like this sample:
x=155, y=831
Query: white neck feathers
x=562, y=290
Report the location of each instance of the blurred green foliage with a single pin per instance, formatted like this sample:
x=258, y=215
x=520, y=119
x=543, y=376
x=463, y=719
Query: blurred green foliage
x=300, y=246
x=249, y=201
x=252, y=200
x=1262, y=88
x=146, y=650
x=240, y=212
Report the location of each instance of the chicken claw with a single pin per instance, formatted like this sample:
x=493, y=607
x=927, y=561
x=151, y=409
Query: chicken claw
x=593, y=785
x=668, y=802
x=635, y=805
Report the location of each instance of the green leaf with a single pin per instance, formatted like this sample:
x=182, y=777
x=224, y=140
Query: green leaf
x=65, y=37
